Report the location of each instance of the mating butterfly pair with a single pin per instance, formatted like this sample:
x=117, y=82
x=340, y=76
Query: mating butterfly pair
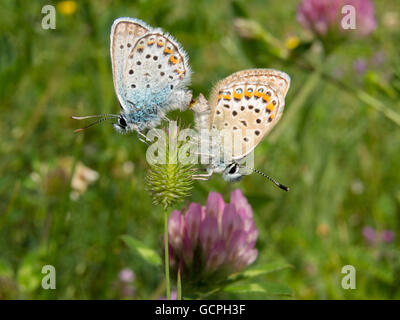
x=151, y=74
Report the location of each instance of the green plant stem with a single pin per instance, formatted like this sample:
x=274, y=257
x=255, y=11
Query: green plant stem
x=10, y=205
x=167, y=284
x=359, y=94
x=378, y=106
x=179, y=286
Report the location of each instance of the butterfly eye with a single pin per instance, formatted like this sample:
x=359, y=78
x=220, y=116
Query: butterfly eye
x=234, y=168
x=122, y=122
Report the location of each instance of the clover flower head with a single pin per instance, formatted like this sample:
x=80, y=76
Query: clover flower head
x=323, y=16
x=213, y=241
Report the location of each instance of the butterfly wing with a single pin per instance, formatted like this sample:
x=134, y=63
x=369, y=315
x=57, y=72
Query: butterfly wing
x=156, y=69
x=124, y=34
x=250, y=103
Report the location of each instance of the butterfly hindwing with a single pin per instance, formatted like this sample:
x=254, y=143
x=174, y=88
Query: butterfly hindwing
x=155, y=68
x=249, y=103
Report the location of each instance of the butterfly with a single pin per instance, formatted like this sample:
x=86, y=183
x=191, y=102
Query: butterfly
x=150, y=74
x=248, y=104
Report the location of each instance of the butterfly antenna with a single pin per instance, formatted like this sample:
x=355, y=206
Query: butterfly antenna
x=90, y=124
x=269, y=178
x=96, y=116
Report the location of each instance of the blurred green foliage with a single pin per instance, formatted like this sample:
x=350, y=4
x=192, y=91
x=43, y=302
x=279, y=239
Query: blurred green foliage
x=339, y=156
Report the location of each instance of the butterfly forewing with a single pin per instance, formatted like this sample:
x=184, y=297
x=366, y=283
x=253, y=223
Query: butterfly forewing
x=124, y=34
x=248, y=103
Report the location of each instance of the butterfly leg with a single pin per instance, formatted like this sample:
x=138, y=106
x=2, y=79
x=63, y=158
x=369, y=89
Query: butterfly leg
x=165, y=118
x=143, y=138
x=198, y=169
x=204, y=177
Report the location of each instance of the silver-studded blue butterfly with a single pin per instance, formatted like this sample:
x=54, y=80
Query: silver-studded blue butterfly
x=247, y=104
x=150, y=73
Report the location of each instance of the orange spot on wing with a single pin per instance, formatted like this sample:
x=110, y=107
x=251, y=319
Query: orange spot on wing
x=227, y=97
x=237, y=96
x=160, y=43
x=220, y=97
x=266, y=97
x=167, y=51
x=173, y=60
x=248, y=94
x=258, y=94
x=271, y=117
x=270, y=107
x=150, y=42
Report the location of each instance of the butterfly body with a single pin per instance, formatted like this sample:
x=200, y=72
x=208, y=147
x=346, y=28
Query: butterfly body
x=246, y=105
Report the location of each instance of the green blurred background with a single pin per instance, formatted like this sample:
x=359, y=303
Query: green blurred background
x=336, y=148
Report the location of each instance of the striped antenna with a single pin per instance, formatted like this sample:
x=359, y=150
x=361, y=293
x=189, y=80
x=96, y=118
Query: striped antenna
x=269, y=178
x=101, y=116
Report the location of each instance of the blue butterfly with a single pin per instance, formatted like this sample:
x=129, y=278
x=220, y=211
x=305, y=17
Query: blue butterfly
x=150, y=73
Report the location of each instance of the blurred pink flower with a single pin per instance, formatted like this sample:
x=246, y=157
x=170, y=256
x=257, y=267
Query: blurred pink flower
x=373, y=237
x=323, y=16
x=369, y=235
x=387, y=236
x=318, y=15
x=217, y=238
x=126, y=275
x=365, y=15
x=174, y=296
x=360, y=66
x=124, y=285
